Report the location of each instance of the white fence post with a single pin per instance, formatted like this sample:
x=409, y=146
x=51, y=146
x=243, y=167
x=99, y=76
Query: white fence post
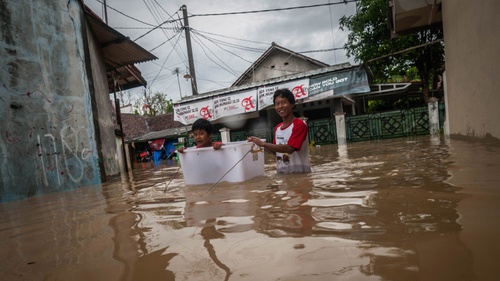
x=433, y=116
x=340, y=124
x=225, y=135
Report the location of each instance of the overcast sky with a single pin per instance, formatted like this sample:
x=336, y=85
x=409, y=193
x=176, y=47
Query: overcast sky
x=224, y=46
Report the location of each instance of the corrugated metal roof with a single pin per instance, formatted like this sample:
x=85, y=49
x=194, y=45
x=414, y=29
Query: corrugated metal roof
x=118, y=50
x=127, y=77
x=120, y=54
x=164, y=134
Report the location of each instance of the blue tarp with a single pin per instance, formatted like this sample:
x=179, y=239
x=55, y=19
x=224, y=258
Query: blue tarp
x=170, y=147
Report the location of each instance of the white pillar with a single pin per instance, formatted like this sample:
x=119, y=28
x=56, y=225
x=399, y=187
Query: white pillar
x=225, y=135
x=433, y=116
x=446, y=123
x=342, y=150
x=341, y=132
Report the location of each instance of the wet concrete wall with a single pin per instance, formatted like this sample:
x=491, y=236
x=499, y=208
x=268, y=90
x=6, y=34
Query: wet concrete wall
x=472, y=45
x=48, y=140
x=102, y=110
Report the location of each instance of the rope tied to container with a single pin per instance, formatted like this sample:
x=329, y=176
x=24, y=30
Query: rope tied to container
x=251, y=150
x=176, y=172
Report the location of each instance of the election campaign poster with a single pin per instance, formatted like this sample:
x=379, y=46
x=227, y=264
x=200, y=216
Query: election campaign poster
x=298, y=87
x=187, y=113
x=235, y=103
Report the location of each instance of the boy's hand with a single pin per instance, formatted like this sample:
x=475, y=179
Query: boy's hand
x=217, y=145
x=256, y=140
x=180, y=149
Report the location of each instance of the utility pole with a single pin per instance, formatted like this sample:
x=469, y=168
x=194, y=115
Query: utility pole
x=190, y=51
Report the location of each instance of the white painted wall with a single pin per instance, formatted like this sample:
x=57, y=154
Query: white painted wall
x=472, y=48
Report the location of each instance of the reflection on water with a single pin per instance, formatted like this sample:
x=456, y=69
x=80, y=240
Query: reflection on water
x=406, y=209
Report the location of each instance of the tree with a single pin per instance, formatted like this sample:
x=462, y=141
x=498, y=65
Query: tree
x=153, y=104
x=370, y=42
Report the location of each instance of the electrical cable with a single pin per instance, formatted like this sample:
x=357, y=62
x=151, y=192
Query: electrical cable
x=164, y=63
x=151, y=30
x=176, y=27
x=158, y=15
x=238, y=56
x=229, y=37
x=272, y=10
x=125, y=15
x=231, y=71
x=241, y=47
x=164, y=42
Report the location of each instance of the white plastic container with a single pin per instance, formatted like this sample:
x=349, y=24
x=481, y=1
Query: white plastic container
x=206, y=165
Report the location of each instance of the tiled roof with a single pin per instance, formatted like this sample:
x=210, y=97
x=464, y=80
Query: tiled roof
x=163, y=122
x=139, y=127
x=134, y=125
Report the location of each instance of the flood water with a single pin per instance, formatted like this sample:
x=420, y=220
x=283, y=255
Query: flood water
x=401, y=209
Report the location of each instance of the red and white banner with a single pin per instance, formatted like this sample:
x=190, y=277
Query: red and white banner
x=187, y=113
x=298, y=87
x=235, y=103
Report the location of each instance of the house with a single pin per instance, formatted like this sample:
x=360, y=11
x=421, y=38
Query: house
x=61, y=63
x=139, y=130
x=277, y=61
x=248, y=102
x=322, y=91
x=472, y=45
x=277, y=66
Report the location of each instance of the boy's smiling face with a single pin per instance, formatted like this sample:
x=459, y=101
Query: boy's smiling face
x=201, y=138
x=282, y=106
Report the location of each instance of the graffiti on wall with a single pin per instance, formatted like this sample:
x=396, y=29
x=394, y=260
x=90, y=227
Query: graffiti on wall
x=46, y=143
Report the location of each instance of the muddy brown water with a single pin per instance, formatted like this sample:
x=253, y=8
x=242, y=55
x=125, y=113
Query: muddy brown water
x=403, y=209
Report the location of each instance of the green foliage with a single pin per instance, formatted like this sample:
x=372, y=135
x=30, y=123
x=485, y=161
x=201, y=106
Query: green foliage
x=370, y=42
x=393, y=104
x=153, y=104
x=159, y=104
x=411, y=75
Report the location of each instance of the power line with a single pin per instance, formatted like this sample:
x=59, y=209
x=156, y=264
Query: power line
x=151, y=30
x=158, y=15
x=204, y=50
x=273, y=10
x=168, y=40
x=175, y=29
x=241, y=47
x=125, y=15
x=321, y=51
x=164, y=62
x=229, y=37
x=160, y=27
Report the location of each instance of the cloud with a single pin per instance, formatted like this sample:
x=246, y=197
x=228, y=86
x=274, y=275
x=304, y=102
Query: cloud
x=224, y=46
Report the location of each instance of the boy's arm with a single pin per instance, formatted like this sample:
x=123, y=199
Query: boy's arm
x=217, y=145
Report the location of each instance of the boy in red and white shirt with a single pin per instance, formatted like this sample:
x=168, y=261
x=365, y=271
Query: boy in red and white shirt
x=290, y=137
